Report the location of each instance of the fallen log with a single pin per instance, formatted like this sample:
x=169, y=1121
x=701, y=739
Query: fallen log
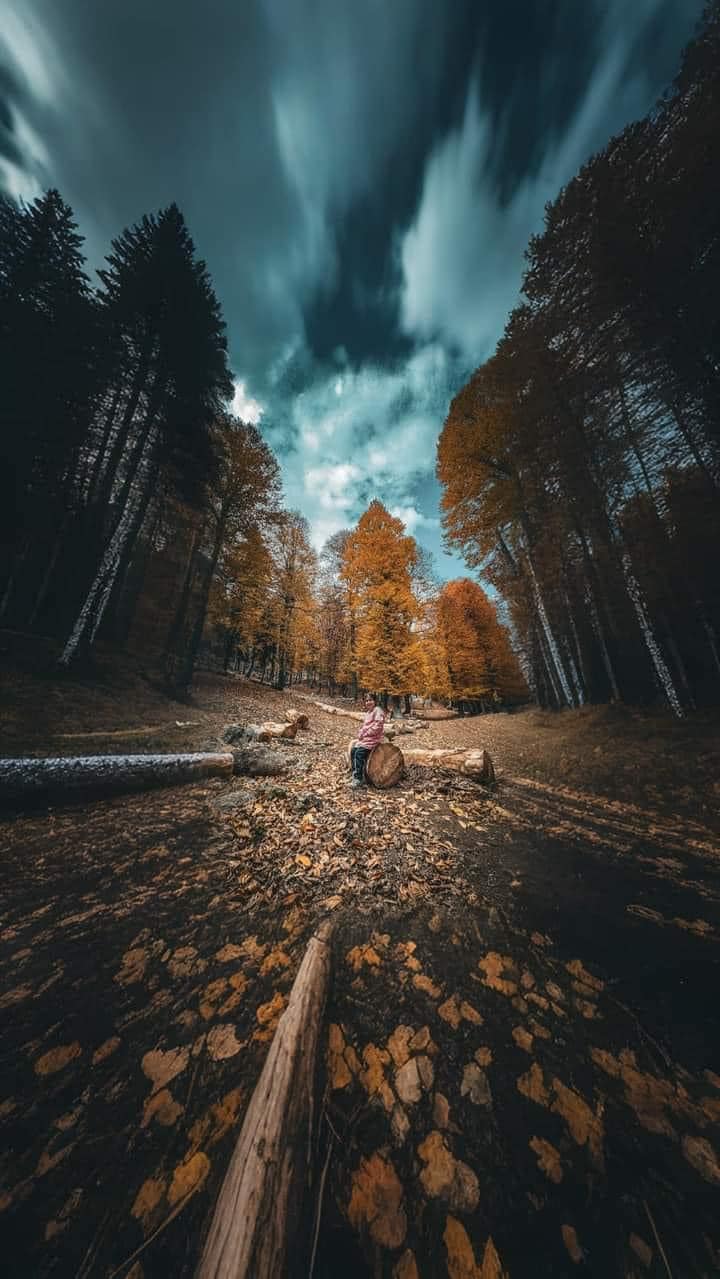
x=267, y=732
x=29, y=781
x=477, y=764
x=385, y=765
x=257, y=761
x=297, y=717
x=261, y=1201
x=393, y=727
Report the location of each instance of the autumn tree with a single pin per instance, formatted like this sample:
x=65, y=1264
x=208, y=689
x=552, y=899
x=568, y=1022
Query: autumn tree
x=481, y=665
x=554, y=457
x=378, y=562
x=239, y=512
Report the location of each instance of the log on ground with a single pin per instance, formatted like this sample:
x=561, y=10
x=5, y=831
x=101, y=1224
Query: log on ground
x=393, y=727
x=30, y=781
x=297, y=717
x=266, y=732
x=472, y=763
x=385, y=765
x=261, y=1201
x=256, y=760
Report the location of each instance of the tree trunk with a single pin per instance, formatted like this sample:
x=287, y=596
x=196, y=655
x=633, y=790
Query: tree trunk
x=28, y=781
x=385, y=765
x=262, y=1200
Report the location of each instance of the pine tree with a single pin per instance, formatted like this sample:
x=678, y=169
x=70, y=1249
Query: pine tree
x=49, y=378
x=158, y=302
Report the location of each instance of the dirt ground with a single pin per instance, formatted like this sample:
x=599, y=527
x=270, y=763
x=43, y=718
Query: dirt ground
x=521, y=1055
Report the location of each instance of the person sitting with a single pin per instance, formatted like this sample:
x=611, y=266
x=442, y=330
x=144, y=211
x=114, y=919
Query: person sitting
x=371, y=732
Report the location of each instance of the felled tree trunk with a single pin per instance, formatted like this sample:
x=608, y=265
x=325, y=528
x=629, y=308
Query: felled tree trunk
x=64, y=780
x=392, y=727
x=261, y=1201
x=477, y=764
x=257, y=761
x=266, y=732
x=385, y=765
x=297, y=717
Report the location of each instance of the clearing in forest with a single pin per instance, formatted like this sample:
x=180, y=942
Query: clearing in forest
x=520, y=1051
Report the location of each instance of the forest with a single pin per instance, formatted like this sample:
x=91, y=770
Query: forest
x=438, y=1008
x=580, y=464
x=140, y=515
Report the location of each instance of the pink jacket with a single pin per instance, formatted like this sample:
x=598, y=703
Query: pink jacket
x=372, y=728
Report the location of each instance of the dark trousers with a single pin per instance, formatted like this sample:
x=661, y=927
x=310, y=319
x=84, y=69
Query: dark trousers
x=358, y=760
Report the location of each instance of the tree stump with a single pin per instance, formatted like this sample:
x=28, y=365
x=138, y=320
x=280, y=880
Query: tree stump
x=385, y=765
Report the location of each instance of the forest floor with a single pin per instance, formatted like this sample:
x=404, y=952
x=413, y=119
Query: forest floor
x=522, y=1044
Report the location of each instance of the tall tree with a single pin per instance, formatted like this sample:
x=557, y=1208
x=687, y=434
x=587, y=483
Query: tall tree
x=158, y=301
x=378, y=564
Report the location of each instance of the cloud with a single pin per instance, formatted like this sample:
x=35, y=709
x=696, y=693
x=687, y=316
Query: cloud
x=361, y=178
x=462, y=257
x=244, y=406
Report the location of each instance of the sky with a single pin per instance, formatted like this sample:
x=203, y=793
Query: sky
x=361, y=176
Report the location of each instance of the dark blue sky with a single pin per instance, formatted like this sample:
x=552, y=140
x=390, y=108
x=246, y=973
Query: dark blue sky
x=361, y=176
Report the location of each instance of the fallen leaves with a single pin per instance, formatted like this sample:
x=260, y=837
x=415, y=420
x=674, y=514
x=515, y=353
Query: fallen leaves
x=161, y=1066
x=147, y=1198
x=445, y=1177
x=160, y=1106
x=548, y=1159
x=222, y=1042
x=57, y=1059
x=522, y=1038
x=493, y=965
x=134, y=962
x=105, y=1050
x=361, y=956
x=700, y=1154
x=376, y=1202
x=426, y=985
x=188, y=1177
x=456, y=1010
x=475, y=1086
x=338, y=1070
x=268, y=1016
x=572, y=1245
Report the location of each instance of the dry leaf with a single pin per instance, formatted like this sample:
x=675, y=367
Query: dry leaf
x=160, y=1067
x=188, y=1177
x=57, y=1059
x=222, y=1042
x=376, y=1202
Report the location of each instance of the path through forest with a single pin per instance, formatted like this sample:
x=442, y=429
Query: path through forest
x=523, y=1074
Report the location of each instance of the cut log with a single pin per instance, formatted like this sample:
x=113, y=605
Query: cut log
x=477, y=764
x=385, y=765
x=267, y=732
x=28, y=781
x=297, y=717
x=261, y=1201
x=258, y=761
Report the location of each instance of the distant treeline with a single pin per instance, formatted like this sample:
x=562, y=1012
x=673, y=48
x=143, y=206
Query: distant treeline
x=581, y=463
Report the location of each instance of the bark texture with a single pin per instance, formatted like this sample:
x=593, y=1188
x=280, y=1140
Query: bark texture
x=261, y=1200
x=28, y=781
